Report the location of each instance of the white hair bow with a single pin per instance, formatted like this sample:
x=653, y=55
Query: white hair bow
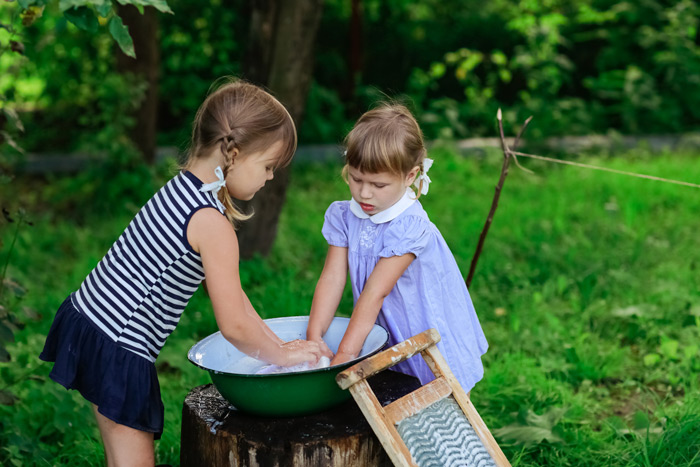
x=214, y=187
x=427, y=163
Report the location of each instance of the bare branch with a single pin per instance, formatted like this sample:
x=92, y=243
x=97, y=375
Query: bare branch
x=515, y=146
x=507, y=154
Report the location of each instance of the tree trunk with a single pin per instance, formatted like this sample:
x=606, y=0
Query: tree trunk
x=355, y=59
x=214, y=433
x=280, y=57
x=144, y=32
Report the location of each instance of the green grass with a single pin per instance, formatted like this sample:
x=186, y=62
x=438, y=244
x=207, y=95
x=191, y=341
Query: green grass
x=587, y=290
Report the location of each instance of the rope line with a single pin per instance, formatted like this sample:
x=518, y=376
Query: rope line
x=605, y=169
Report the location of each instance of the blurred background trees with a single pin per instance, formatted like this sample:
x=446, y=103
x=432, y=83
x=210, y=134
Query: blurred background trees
x=580, y=66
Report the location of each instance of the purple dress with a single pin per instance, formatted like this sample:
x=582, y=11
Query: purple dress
x=430, y=294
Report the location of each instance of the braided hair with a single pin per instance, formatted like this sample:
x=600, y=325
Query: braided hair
x=239, y=115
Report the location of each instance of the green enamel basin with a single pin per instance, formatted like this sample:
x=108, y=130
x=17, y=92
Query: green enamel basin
x=279, y=394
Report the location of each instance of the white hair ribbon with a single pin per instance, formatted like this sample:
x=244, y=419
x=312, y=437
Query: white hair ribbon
x=427, y=163
x=214, y=187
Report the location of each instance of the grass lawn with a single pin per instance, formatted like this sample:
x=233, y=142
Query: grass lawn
x=588, y=291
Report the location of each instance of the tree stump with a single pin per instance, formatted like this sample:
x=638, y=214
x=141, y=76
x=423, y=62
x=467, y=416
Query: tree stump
x=214, y=433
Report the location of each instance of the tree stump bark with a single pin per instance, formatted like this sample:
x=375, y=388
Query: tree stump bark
x=214, y=433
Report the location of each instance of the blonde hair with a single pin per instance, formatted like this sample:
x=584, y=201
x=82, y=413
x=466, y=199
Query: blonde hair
x=385, y=139
x=240, y=115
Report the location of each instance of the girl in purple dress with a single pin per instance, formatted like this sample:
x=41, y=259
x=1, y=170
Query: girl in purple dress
x=403, y=274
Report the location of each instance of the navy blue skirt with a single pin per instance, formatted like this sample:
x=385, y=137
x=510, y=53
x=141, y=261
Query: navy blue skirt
x=123, y=385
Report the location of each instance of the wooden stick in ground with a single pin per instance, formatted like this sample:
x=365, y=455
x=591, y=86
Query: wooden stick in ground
x=507, y=154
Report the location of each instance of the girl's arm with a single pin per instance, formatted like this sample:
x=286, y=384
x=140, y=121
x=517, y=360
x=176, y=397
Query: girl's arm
x=329, y=291
x=380, y=282
x=212, y=236
x=254, y=314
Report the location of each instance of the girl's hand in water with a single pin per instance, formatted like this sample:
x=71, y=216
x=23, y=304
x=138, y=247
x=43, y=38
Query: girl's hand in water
x=325, y=350
x=342, y=357
x=300, y=351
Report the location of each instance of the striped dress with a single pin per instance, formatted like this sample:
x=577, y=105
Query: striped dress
x=137, y=292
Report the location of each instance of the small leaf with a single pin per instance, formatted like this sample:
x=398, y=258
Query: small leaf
x=25, y=4
x=7, y=398
x=65, y=5
x=17, y=289
x=103, y=7
x=12, y=116
x=640, y=420
x=532, y=429
x=669, y=348
x=104, y=10
x=160, y=5
x=4, y=355
x=82, y=17
x=16, y=46
x=617, y=424
x=527, y=435
x=437, y=70
x=652, y=359
x=31, y=313
x=9, y=140
x=690, y=351
x=120, y=33
x=6, y=334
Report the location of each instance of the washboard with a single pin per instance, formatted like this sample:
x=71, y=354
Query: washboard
x=436, y=425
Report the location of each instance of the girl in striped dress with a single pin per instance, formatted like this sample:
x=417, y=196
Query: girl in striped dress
x=106, y=335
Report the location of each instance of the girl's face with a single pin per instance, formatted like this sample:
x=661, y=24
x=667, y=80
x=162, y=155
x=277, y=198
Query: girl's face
x=377, y=192
x=249, y=172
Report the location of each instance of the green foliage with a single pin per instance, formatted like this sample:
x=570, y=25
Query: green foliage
x=63, y=72
x=586, y=290
x=11, y=293
x=111, y=104
x=200, y=42
x=581, y=67
x=30, y=74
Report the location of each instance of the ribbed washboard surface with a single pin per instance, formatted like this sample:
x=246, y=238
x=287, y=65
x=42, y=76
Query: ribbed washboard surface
x=441, y=436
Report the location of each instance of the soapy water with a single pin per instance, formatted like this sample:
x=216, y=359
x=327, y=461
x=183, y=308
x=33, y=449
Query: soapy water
x=323, y=362
x=252, y=366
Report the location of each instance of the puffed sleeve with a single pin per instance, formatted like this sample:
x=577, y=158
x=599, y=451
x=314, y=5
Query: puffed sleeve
x=335, y=227
x=409, y=234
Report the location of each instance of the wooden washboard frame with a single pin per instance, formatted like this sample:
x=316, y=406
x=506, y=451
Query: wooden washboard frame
x=383, y=420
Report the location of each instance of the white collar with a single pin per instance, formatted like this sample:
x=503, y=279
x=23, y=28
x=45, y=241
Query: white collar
x=389, y=214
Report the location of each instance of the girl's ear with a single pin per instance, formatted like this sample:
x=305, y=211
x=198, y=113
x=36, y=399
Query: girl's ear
x=234, y=153
x=411, y=176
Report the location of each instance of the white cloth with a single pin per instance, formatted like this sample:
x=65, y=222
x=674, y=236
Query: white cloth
x=427, y=163
x=215, y=186
x=389, y=213
x=323, y=362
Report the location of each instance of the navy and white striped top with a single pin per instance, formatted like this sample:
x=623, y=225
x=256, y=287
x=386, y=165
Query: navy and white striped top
x=138, y=291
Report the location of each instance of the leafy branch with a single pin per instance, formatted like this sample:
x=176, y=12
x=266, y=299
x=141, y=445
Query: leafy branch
x=91, y=15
